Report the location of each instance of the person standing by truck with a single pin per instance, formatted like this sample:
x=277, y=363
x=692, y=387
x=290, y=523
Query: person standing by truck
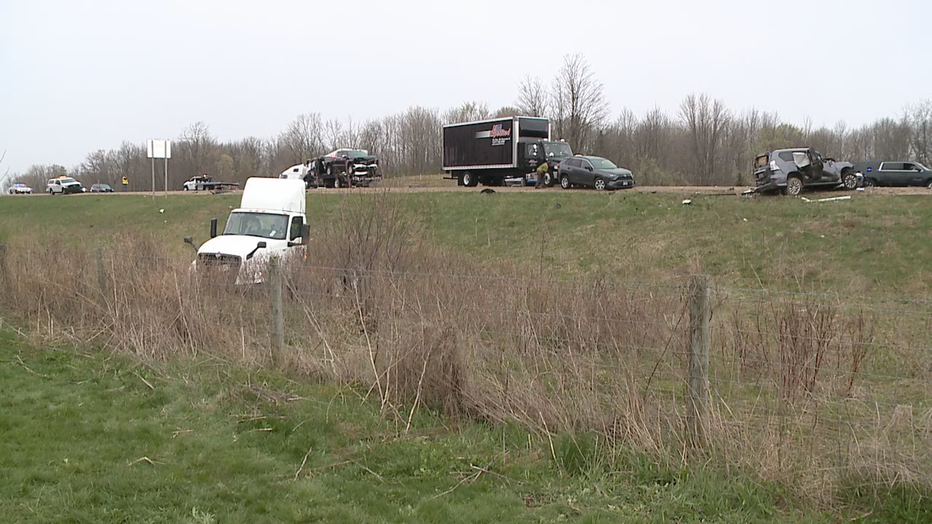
x=542, y=170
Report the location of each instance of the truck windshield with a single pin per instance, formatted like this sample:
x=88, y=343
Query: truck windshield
x=264, y=225
x=557, y=149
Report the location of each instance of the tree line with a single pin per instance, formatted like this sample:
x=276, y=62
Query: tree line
x=703, y=142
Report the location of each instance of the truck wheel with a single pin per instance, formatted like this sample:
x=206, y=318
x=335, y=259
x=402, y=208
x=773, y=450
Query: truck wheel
x=565, y=182
x=186, y=188
x=469, y=180
x=548, y=179
x=599, y=184
x=850, y=180
x=929, y=183
x=870, y=182
x=794, y=186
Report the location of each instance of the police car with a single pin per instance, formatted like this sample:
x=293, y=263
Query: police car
x=20, y=189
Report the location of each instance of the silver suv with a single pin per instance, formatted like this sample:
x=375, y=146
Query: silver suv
x=790, y=170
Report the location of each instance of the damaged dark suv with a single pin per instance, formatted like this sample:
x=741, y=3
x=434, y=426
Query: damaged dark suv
x=791, y=170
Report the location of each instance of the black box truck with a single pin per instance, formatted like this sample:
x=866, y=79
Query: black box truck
x=491, y=151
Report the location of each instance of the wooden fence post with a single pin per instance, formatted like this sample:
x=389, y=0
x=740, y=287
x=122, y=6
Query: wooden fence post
x=697, y=410
x=278, y=319
x=102, y=275
x=6, y=279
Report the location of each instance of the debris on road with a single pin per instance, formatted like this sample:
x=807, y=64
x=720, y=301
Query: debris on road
x=833, y=199
x=687, y=202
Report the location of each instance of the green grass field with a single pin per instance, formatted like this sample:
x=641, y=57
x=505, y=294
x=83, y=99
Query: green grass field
x=871, y=245
x=86, y=436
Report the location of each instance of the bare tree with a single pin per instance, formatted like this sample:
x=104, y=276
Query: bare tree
x=196, y=148
x=467, y=112
x=532, y=97
x=98, y=168
x=705, y=120
x=919, y=118
x=333, y=130
x=302, y=138
x=5, y=179
x=579, y=105
x=507, y=111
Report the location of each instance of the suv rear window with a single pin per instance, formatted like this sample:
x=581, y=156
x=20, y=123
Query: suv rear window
x=761, y=161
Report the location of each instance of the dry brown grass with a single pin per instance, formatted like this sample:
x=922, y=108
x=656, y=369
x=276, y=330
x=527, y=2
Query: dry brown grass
x=802, y=390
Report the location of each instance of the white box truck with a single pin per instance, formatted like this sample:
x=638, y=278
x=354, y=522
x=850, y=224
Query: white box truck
x=270, y=221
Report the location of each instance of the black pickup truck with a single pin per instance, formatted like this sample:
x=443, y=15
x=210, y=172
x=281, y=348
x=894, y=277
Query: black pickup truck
x=895, y=174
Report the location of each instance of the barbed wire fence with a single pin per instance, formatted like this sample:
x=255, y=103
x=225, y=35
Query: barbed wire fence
x=808, y=386
x=816, y=389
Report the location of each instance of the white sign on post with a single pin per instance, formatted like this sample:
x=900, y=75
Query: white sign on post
x=160, y=149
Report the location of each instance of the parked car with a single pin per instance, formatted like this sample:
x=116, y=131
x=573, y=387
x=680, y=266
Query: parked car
x=895, y=174
x=790, y=170
x=345, y=167
x=101, y=188
x=20, y=189
x=64, y=185
x=594, y=171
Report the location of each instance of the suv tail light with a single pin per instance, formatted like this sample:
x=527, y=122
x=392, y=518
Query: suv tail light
x=773, y=166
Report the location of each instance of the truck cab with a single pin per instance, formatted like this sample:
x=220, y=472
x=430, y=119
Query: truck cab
x=532, y=153
x=270, y=221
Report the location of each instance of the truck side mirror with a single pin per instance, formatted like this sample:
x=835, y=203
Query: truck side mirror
x=213, y=228
x=190, y=242
x=305, y=233
x=261, y=245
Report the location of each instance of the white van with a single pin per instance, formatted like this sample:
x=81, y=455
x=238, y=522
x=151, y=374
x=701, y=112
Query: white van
x=270, y=221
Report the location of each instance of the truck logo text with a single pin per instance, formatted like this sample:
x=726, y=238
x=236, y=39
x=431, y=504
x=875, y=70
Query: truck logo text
x=498, y=134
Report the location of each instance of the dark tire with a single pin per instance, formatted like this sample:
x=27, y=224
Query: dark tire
x=329, y=171
x=850, y=180
x=794, y=186
x=565, y=182
x=185, y=188
x=599, y=184
x=870, y=182
x=469, y=179
x=929, y=183
x=548, y=179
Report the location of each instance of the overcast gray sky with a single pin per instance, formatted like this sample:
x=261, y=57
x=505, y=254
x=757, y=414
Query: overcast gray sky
x=83, y=75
